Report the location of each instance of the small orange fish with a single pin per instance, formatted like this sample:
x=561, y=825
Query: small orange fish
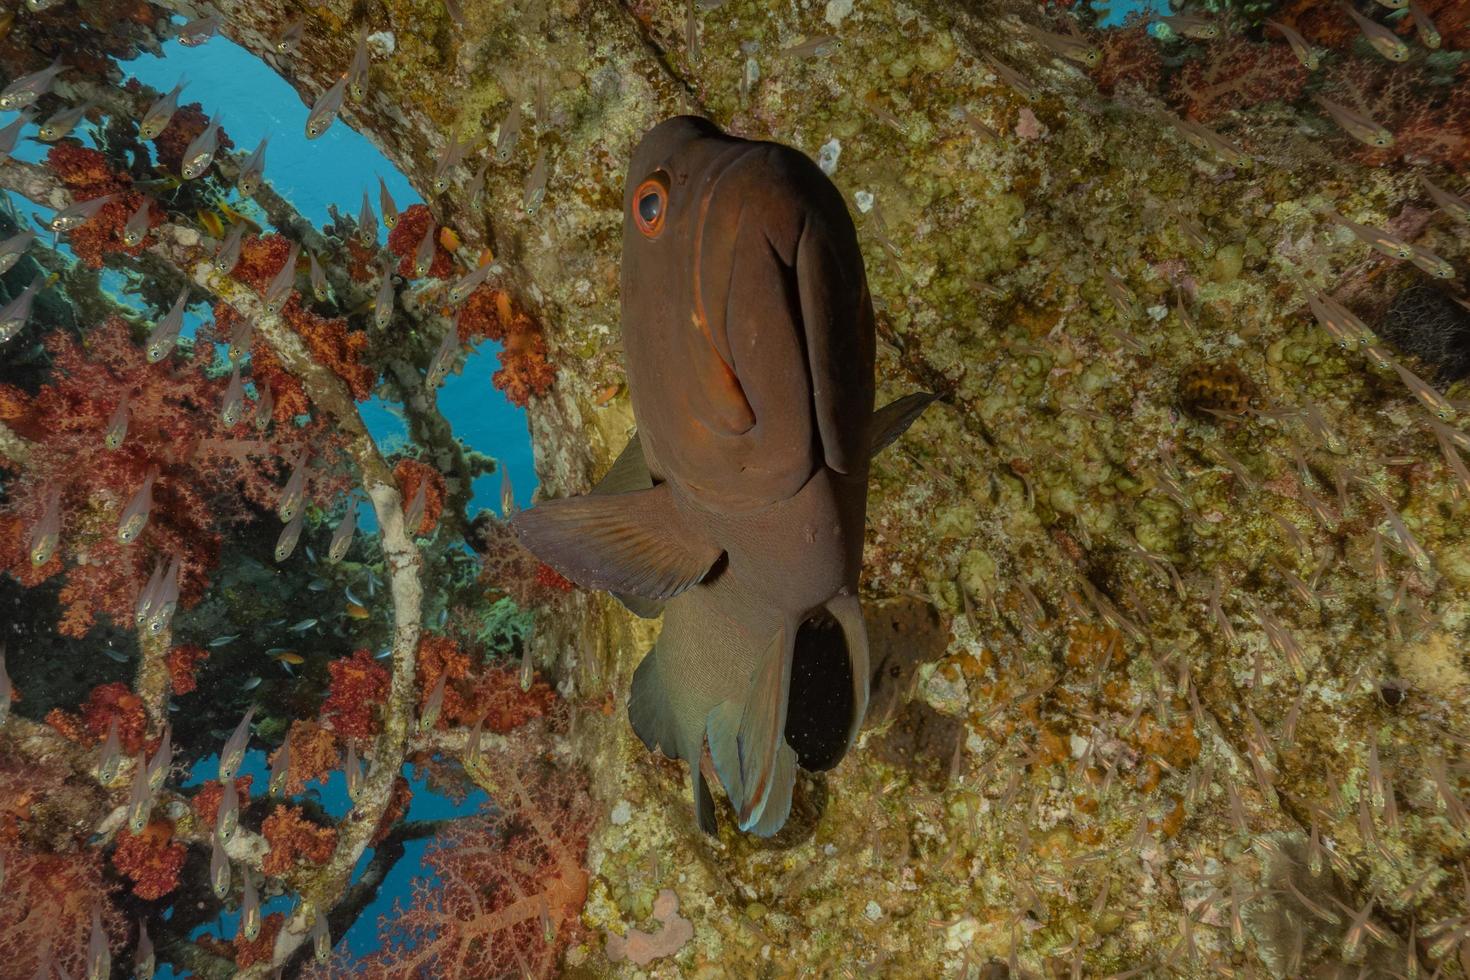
x=354, y=611
x=212, y=224
x=607, y=394
x=449, y=238
x=290, y=657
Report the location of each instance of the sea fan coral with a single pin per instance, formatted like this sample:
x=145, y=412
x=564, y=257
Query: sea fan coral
x=46, y=910
x=411, y=474
x=358, y=685
x=1236, y=73
x=294, y=838
x=1429, y=324
x=506, y=566
x=1130, y=59
x=183, y=663
x=404, y=239
x=151, y=858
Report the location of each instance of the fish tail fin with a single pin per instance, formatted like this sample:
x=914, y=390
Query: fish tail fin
x=890, y=421
x=748, y=746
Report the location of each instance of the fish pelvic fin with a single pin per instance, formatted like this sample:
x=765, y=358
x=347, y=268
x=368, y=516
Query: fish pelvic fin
x=893, y=419
x=637, y=543
x=748, y=746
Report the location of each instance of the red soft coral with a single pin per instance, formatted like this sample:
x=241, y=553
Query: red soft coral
x=46, y=910
x=206, y=802
x=292, y=837
x=88, y=174
x=524, y=371
x=183, y=662
x=152, y=858
x=1237, y=73
x=1130, y=58
x=334, y=346
x=188, y=122
x=411, y=474
x=107, y=703
x=314, y=754
x=359, y=684
x=404, y=239
x=249, y=952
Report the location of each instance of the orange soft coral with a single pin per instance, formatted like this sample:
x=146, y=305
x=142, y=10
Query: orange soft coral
x=183, y=663
x=249, y=952
x=410, y=474
x=358, y=685
x=334, y=346
x=151, y=858
x=292, y=837
x=206, y=802
x=314, y=754
x=524, y=370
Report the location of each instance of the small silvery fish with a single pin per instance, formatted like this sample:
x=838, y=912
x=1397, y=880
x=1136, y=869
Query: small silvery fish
x=302, y=626
x=14, y=315
x=156, y=119
x=357, y=73
x=1356, y=125
x=507, y=494
x=290, y=37
x=227, y=817
x=167, y=599
x=326, y=108
x=534, y=191
x=28, y=88
x=321, y=939
x=249, y=908
x=475, y=189
x=413, y=514
x=62, y=123
x=111, y=755
x=367, y=223
x=200, y=152
x=423, y=257
x=47, y=533
x=1064, y=46
x=13, y=248
x=139, y=799
x=229, y=250
x=815, y=46
x=137, y=227
x=434, y=705
x=383, y=304
x=510, y=131
x=1012, y=78
x=219, y=869
x=1428, y=33
x=1434, y=265
x=1451, y=204
x=117, y=425
x=166, y=334
x=1339, y=322
x=10, y=135
x=149, y=593
x=290, y=534
x=294, y=494
x=252, y=683
x=280, y=770
x=468, y=283
x=252, y=171
x=41, y=6
x=234, y=405
x=279, y=290
x=163, y=758
x=342, y=537
x=443, y=358
x=319, y=287
x=352, y=768
x=386, y=205
x=1304, y=52
x=1380, y=241
x=1189, y=25
x=199, y=30
x=135, y=515
x=117, y=655
x=1379, y=38
x=451, y=157
x=233, y=753
x=264, y=409
x=76, y=215
x=1427, y=396
x=221, y=641
x=99, y=956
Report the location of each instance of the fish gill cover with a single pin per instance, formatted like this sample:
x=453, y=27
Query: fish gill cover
x=1168, y=602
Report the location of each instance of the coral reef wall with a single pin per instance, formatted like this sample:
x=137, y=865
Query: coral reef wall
x=1170, y=594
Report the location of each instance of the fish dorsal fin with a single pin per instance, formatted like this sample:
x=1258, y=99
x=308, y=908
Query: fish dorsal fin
x=629, y=472
x=890, y=421
x=747, y=743
x=639, y=543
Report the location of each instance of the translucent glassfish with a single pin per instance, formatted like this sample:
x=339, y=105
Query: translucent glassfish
x=162, y=761
x=1304, y=51
x=342, y=536
x=413, y=514
x=1377, y=239
x=219, y=868
x=156, y=119
x=534, y=191
x=62, y=122
x=199, y=30
x=434, y=705
x=1190, y=25
x=200, y=152
x=443, y=358
x=1379, y=38
x=47, y=533
x=111, y=755
x=28, y=88
x=1355, y=124
x=135, y=515
x=279, y=290
x=99, y=955
x=252, y=171
x=294, y=494
x=166, y=601
x=165, y=333
x=423, y=257
x=1451, y=204
x=383, y=302
x=319, y=286
x=386, y=205
x=1437, y=267
x=357, y=72
x=290, y=535
x=76, y=214
x=144, y=960
x=1428, y=34
x=16, y=313
x=326, y=108
x=249, y=908
x=507, y=494
x=149, y=593
x=12, y=248
x=367, y=223
x=137, y=227
x=242, y=338
x=234, y=403
x=1066, y=46
x=321, y=939
x=352, y=768
x=469, y=282
x=227, y=817
x=233, y=753
x=140, y=800
x=290, y=37
x=510, y=131
x=10, y=134
x=228, y=255
x=265, y=408
x=280, y=770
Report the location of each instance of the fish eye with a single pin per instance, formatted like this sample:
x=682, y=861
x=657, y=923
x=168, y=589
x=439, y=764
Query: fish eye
x=650, y=203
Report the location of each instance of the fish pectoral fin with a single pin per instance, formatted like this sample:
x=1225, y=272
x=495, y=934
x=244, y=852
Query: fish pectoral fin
x=637, y=543
x=891, y=421
x=639, y=606
x=748, y=746
x=628, y=472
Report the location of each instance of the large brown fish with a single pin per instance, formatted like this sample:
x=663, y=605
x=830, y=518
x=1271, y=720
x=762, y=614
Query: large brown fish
x=738, y=507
